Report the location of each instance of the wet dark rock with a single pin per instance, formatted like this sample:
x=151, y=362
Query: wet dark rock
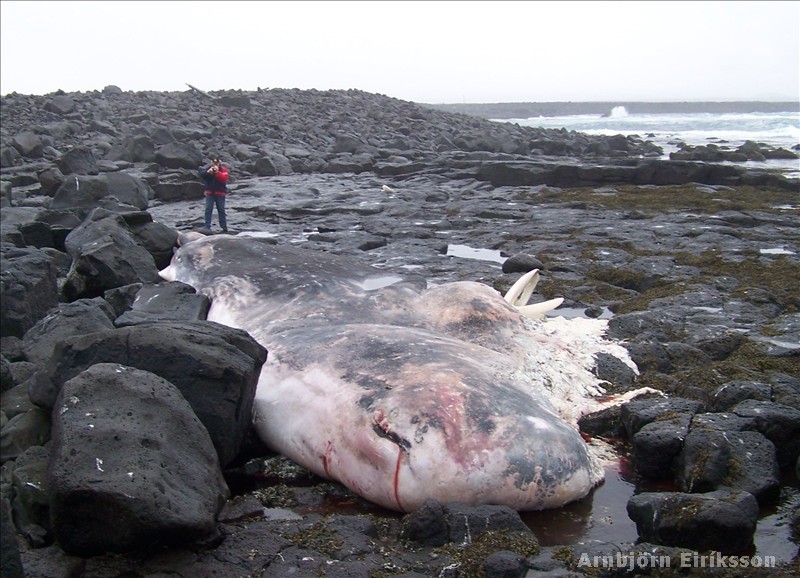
x=172, y=301
x=28, y=144
x=786, y=389
x=51, y=561
x=7, y=380
x=65, y=320
x=723, y=421
x=618, y=375
x=31, y=497
x=435, y=524
x=521, y=264
x=179, y=156
x=121, y=478
x=114, y=191
x=662, y=325
x=79, y=160
x=12, y=348
x=656, y=445
x=105, y=254
x=748, y=151
x=15, y=401
x=24, y=431
x=779, y=423
x=731, y=393
x=156, y=238
x=427, y=525
x=28, y=288
x=640, y=412
x=505, y=564
x=649, y=354
x=606, y=423
x=10, y=559
x=722, y=520
x=739, y=460
x=215, y=367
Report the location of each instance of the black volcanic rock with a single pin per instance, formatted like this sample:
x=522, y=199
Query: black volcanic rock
x=723, y=520
x=109, y=455
x=280, y=131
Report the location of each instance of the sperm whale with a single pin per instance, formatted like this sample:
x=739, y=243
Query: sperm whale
x=404, y=392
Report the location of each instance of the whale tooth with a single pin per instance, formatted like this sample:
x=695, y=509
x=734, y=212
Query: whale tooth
x=539, y=310
x=522, y=290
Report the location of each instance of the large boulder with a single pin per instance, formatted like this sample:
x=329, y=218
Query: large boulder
x=22, y=432
x=741, y=460
x=79, y=160
x=131, y=465
x=179, y=156
x=28, y=144
x=10, y=560
x=435, y=524
x=273, y=164
x=729, y=394
x=779, y=423
x=723, y=520
x=30, y=503
x=66, y=320
x=157, y=238
x=60, y=104
x=29, y=280
x=178, y=186
x=105, y=254
x=169, y=301
x=656, y=446
x=638, y=413
x=215, y=367
x=51, y=180
x=114, y=191
x=136, y=148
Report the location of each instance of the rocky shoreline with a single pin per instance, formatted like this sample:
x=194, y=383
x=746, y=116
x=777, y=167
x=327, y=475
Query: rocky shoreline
x=691, y=263
x=507, y=110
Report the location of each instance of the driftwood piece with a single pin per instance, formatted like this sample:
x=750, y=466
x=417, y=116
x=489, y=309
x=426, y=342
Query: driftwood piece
x=204, y=93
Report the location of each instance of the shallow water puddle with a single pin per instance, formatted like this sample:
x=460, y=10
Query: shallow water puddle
x=467, y=252
x=601, y=517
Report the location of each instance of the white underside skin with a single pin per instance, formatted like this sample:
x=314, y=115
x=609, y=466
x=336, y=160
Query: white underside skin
x=310, y=402
x=375, y=468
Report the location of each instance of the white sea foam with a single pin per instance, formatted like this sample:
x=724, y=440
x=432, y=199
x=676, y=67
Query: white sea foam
x=619, y=111
x=776, y=129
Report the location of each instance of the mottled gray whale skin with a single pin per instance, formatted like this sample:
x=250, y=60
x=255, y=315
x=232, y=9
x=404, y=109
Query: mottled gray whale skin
x=400, y=392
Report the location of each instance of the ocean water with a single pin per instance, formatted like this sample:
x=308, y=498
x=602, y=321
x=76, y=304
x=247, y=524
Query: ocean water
x=776, y=129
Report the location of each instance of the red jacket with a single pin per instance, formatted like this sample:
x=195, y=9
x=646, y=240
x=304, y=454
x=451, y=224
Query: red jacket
x=215, y=182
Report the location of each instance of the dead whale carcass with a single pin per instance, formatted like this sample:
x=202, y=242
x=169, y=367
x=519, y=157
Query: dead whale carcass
x=402, y=392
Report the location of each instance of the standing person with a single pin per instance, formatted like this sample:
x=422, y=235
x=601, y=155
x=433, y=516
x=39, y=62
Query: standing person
x=215, y=177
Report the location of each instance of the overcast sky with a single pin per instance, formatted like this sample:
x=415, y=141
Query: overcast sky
x=422, y=51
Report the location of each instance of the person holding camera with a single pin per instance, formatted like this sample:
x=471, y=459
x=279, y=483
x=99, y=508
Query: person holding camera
x=215, y=177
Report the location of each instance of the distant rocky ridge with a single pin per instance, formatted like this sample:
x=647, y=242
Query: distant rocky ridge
x=164, y=136
x=505, y=110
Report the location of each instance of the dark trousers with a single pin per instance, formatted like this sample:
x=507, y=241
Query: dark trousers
x=219, y=201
